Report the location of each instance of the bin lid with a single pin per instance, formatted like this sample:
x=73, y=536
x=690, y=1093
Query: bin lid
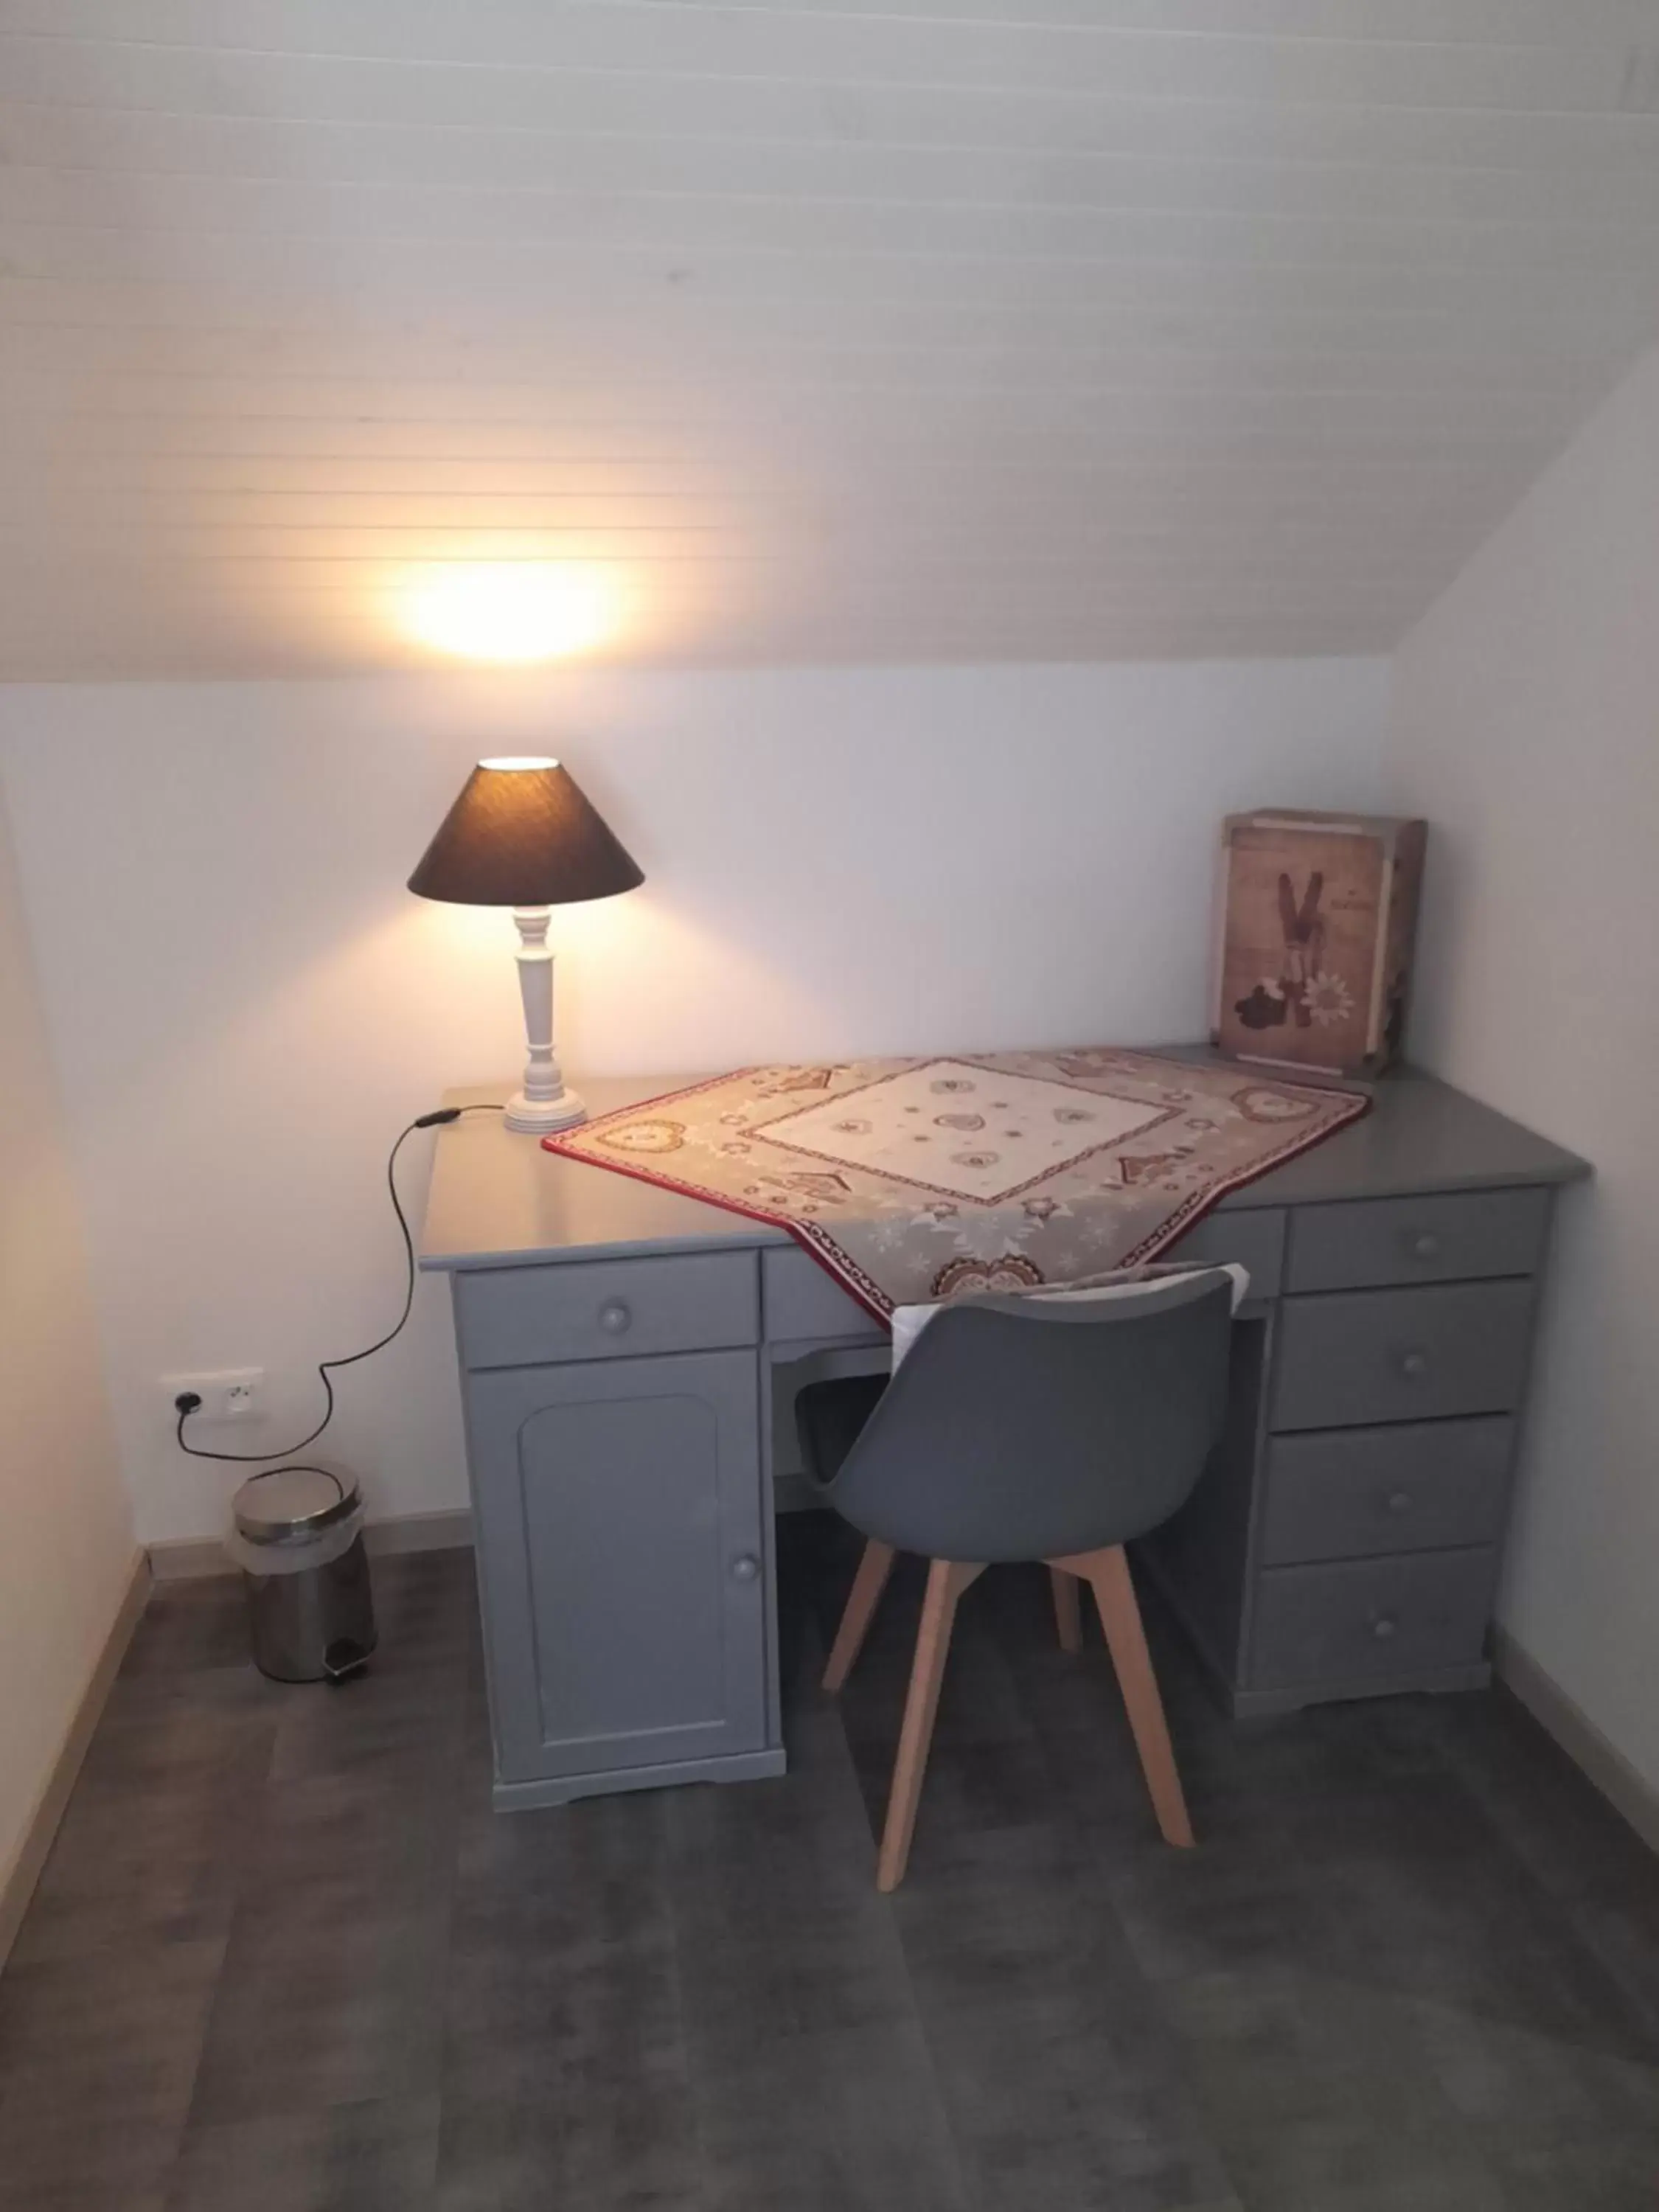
x=290, y=1502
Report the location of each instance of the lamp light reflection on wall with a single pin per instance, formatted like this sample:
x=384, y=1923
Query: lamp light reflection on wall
x=511, y=610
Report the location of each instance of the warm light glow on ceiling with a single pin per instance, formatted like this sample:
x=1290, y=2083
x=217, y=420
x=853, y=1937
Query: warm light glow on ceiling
x=511, y=610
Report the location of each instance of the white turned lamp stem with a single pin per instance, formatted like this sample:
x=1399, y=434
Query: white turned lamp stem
x=545, y=1103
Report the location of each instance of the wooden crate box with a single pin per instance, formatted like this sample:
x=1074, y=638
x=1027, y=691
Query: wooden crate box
x=1317, y=914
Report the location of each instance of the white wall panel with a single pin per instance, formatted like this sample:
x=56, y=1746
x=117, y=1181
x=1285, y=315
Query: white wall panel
x=68, y=1551
x=1524, y=727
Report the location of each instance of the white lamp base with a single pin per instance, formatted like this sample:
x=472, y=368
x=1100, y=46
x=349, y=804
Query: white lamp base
x=544, y=1102
x=535, y=1117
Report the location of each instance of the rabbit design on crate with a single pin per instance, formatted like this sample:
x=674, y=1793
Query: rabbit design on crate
x=1304, y=944
x=1316, y=922
x=1272, y=1004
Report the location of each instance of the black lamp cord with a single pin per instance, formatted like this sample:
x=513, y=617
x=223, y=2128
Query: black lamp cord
x=187, y=1402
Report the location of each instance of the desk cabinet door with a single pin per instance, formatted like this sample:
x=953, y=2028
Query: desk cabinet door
x=620, y=1543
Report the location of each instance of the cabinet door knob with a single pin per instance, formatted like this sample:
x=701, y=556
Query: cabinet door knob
x=1383, y=1627
x=1425, y=1247
x=1401, y=1502
x=616, y=1319
x=1413, y=1363
x=744, y=1567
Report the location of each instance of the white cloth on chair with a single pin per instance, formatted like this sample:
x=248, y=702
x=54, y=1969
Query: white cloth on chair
x=908, y=1322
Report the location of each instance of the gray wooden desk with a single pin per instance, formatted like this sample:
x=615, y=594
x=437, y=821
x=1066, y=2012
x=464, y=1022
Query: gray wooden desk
x=629, y=1359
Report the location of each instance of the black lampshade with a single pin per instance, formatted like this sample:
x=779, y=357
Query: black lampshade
x=521, y=834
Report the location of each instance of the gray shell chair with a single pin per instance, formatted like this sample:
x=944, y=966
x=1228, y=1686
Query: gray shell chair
x=1024, y=1429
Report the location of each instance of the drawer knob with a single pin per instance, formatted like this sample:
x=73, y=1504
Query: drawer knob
x=1425, y=1247
x=1383, y=1627
x=1413, y=1363
x=744, y=1567
x=1401, y=1502
x=616, y=1319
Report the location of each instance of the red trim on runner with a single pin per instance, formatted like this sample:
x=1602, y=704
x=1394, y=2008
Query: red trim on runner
x=816, y=1240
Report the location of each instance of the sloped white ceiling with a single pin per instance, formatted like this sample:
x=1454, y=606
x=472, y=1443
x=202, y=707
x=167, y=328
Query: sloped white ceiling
x=957, y=329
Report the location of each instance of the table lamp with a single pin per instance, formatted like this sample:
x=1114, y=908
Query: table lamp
x=522, y=834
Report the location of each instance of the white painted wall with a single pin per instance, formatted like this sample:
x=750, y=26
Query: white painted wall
x=1528, y=731
x=68, y=1545
x=246, y=1004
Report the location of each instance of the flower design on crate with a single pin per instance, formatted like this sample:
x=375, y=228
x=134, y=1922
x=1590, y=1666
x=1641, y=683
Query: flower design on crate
x=645, y=1137
x=853, y=1126
x=1327, y=998
x=1011, y=1271
x=967, y=1123
x=947, y=1084
x=975, y=1159
x=1071, y=1115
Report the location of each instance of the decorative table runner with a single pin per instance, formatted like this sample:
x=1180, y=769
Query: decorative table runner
x=912, y=1180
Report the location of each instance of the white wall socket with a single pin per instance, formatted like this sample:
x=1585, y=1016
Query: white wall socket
x=234, y=1393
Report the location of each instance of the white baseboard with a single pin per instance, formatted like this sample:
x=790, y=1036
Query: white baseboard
x=182, y=1559
x=17, y=1883
x=1602, y=1763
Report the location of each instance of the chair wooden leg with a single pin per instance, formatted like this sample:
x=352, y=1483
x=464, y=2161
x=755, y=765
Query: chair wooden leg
x=1120, y=1616
x=946, y=1581
x=1108, y=1574
x=862, y=1600
x=1068, y=1615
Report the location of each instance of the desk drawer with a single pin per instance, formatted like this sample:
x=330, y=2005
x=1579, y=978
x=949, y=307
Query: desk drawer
x=1352, y=1493
x=1370, y=1619
x=1355, y=1357
x=1252, y=1236
x=606, y=1309
x=1438, y=1239
x=803, y=1299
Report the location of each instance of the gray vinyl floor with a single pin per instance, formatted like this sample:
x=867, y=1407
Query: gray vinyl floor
x=285, y=1959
